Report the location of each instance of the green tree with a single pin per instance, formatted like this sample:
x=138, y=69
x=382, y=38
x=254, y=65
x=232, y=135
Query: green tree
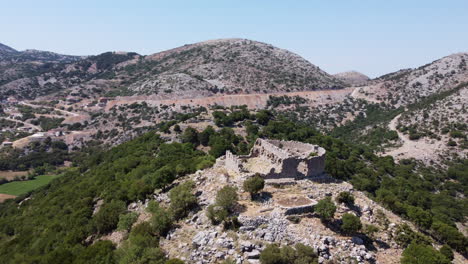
x=254, y=185
x=161, y=221
x=190, y=135
x=345, y=197
x=227, y=198
x=422, y=254
x=325, y=209
x=351, y=223
x=107, y=218
x=447, y=252
x=421, y=217
x=182, y=199
x=126, y=221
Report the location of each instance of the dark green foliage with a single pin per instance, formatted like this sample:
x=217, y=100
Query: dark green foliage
x=222, y=119
x=182, y=199
x=47, y=123
x=451, y=236
x=190, y=135
x=254, y=185
x=275, y=101
x=447, y=252
x=419, y=216
x=204, y=136
x=107, y=218
x=101, y=252
x=161, y=221
x=406, y=236
x=227, y=198
x=422, y=254
x=350, y=223
x=263, y=117
x=325, y=209
x=301, y=254
x=126, y=221
x=59, y=217
x=174, y=261
x=345, y=197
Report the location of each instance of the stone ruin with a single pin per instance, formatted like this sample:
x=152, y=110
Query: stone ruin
x=278, y=159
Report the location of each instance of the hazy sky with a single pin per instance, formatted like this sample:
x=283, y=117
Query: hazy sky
x=371, y=36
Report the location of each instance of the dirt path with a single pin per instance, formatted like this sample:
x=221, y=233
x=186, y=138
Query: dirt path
x=419, y=149
x=24, y=123
x=4, y=197
x=251, y=100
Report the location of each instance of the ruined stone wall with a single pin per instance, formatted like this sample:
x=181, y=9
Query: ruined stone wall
x=315, y=166
x=232, y=162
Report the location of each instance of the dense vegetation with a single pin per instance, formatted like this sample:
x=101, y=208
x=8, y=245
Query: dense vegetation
x=56, y=225
x=53, y=226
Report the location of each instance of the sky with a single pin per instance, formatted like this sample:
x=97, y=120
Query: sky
x=374, y=37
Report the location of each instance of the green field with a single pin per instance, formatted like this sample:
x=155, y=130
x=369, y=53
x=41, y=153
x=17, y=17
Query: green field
x=21, y=187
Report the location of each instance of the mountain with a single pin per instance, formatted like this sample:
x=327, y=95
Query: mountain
x=352, y=78
x=230, y=66
x=226, y=66
x=4, y=49
x=412, y=85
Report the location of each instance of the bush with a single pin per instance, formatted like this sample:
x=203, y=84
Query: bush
x=126, y=221
x=216, y=214
x=351, y=223
x=107, y=218
x=227, y=198
x=174, y=261
x=182, y=199
x=370, y=230
x=447, y=252
x=326, y=209
x=422, y=254
x=301, y=254
x=254, y=185
x=421, y=217
x=345, y=197
x=406, y=236
x=161, y=221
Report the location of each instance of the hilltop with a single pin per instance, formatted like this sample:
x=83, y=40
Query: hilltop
x=228, y=66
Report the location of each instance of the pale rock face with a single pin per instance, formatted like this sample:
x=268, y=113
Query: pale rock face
x=352, y=78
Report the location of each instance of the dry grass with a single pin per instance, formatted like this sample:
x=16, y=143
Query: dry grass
x=10, y=175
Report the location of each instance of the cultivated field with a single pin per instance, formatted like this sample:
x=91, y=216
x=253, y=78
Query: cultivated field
x=21, y=187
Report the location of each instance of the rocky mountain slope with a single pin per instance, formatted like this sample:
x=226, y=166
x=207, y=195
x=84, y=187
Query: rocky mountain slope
x=352, y=78
x=411, y=85
x=228, y=66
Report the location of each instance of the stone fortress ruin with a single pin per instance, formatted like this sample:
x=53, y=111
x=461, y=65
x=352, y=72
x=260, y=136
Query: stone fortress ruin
x=277, y=160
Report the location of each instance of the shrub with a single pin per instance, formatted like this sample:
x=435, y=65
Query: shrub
x=227, y=198
x=190, y=135
x=182, y=199
x=422, y=254
x=161, y=221
x=174, y=261
x=345, y=197
x=370, y=230
x=351, y=223
x=326, y=209
x=447, y=252
x=216, y=214
x=406, y=236
x=254, y=185
x=421, y=217
x=126, y=221
x=301, y=254
x=107, y=218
